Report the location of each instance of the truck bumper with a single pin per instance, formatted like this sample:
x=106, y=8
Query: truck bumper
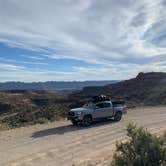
x=76, y=118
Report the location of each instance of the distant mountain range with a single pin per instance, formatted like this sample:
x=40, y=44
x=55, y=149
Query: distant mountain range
x=146, y=88
x=52, y=85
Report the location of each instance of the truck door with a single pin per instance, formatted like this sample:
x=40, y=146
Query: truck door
x=108, y=109
x=103, y=109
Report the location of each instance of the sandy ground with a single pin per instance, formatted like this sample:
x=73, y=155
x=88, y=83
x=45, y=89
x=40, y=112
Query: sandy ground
x=60, y=143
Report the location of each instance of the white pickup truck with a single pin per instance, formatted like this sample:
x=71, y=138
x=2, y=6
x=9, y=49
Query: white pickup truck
x=95, y=111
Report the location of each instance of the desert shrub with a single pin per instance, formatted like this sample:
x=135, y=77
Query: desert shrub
x=36, y=115
x=142, y=149
x=41, y=120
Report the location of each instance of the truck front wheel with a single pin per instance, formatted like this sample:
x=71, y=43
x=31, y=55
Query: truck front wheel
x=74, y=122
x=87, y=120
x=118, y=116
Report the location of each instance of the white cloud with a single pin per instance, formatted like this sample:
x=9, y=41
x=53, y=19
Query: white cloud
x=114, y=71
x=10, y=67
x=95, y=31
x=33, y=57
x=12, y=62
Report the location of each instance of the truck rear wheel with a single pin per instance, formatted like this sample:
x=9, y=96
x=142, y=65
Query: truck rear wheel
x=87, y=120
x=118, y=116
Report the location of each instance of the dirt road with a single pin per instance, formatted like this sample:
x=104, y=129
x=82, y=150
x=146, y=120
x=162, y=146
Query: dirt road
x=60, y=143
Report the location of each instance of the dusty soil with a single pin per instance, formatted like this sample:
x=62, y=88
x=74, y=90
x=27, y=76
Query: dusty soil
x=60, y=143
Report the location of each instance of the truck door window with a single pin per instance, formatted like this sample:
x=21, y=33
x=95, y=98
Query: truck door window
x=103, y=105
x=100, y=105
x=106, y=105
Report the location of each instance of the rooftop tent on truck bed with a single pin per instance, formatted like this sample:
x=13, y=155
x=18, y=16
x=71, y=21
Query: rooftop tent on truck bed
x=99, y=98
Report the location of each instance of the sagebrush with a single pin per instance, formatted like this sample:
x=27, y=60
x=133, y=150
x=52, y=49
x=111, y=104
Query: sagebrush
x=142, y=149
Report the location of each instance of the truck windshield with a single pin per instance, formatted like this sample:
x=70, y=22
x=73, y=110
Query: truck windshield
x=89, y=105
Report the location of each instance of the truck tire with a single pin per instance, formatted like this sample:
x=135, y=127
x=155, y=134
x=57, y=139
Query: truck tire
x=118, y=116
x=87, y=120
x=75, y=123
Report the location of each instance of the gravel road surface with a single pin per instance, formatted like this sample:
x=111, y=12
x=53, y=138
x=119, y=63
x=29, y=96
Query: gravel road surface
x=61, y=144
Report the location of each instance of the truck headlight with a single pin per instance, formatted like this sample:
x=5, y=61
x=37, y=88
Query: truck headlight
x=79, y=113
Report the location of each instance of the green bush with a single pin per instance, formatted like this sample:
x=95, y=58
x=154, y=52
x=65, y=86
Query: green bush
x=142, y=149
x=41, y=120
x=36, y=115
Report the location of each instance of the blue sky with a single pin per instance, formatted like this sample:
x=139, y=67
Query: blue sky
x=81, y=39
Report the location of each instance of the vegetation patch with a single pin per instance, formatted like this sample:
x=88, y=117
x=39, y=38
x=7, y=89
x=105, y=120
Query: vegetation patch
x=36, y=115
x=142, y=149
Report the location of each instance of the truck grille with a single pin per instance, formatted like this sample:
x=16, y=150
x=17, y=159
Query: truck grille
x=71, y=113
